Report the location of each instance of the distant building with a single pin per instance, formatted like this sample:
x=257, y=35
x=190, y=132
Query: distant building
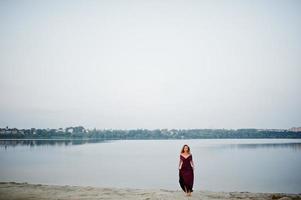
x=2, y=131
x=14, y=131
x=295, y=129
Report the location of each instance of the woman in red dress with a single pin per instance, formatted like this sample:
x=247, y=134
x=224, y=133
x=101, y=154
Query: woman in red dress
x=186, y=170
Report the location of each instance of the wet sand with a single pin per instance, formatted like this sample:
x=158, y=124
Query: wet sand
x=26, y=191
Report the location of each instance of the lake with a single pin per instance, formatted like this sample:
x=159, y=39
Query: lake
x=254, y=165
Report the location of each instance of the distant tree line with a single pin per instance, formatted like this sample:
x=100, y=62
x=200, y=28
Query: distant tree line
x=79, y=132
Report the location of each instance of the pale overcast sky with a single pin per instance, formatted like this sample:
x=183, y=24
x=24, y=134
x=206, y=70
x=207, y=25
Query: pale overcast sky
x=150, y=64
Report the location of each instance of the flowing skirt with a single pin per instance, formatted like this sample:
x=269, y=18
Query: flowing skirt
x=186, y=179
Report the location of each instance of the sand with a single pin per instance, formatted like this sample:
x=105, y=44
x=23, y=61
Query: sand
x=24, y=191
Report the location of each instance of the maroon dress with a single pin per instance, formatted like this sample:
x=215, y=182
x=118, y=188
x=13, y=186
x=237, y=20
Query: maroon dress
x=186, y=174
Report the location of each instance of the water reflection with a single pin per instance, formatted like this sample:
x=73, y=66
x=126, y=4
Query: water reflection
x=67, y=142
x=291, y=145
x=47, y=142
x=258, y=165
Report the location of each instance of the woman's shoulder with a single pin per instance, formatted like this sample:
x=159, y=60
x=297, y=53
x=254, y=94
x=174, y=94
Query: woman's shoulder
x=184, y=154
x=189, y=155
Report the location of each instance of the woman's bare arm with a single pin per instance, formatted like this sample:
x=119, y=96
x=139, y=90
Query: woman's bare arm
x=192, y=163
x=180, y=164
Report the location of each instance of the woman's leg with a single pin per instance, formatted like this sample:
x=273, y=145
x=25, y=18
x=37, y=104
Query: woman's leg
x=186, y=191
x=189, y=190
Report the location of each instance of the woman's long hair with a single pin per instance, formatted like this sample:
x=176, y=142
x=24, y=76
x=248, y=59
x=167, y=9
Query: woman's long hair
x=182, y=151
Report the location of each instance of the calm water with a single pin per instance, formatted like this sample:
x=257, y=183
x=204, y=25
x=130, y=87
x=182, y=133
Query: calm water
x=255, y=165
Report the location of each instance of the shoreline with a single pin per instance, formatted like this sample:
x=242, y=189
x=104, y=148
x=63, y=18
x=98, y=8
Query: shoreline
x=28, y=191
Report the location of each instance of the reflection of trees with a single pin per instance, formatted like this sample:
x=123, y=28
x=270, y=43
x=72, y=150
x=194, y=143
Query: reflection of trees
x=40, y=142
x=291, y=145
x=67, y=142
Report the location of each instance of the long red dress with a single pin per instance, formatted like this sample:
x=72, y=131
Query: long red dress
x=186, y=174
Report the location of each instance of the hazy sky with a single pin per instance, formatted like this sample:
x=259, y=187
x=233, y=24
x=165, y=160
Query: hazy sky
x=150, y=64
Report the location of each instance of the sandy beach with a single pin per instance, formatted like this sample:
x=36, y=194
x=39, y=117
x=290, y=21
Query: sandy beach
x=26, y=191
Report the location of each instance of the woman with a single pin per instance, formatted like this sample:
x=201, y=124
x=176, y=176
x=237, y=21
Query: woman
x=186, y=170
